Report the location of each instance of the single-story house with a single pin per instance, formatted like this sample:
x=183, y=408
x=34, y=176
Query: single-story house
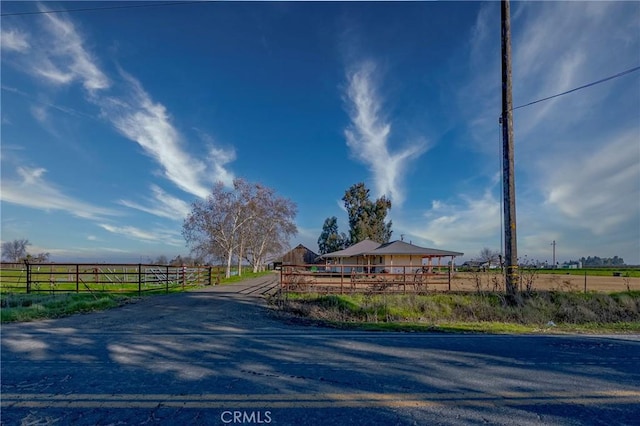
x=397, y=257
x=352, y=255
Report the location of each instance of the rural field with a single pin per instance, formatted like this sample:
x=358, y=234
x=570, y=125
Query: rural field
x=467, y=281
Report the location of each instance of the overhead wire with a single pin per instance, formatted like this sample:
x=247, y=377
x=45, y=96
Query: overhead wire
x=620, y=74
x=602, y=80
x=89, y=9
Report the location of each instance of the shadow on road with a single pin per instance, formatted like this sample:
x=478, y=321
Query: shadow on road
x=189, y=357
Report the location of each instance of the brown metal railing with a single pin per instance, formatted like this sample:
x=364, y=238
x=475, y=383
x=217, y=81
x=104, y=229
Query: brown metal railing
x=338, y=278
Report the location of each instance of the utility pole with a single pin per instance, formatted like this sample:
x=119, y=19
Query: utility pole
x=508, y=176
x=554, y=253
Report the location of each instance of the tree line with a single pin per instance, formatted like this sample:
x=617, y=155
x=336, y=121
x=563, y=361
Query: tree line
x=16, y=251
x=367, y=220
x=597, y=261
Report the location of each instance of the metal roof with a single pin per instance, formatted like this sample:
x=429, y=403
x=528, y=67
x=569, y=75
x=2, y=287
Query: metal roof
x=400, y=247
x=358, y=249
x=371, y=248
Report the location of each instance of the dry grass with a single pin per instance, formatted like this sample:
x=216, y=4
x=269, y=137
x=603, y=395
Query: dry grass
x=467, y=281
x=536, y=309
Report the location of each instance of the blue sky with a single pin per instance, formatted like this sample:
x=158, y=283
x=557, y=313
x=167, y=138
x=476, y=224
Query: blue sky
x=114, y=121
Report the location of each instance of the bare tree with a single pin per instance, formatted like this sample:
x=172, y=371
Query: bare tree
x=490, y=257
x=247, y=221
x=212, y=227
x=15, y=251
x=270, y=228
x=40, y=257
x=161, y=260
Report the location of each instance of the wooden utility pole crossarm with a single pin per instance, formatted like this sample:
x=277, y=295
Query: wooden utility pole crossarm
x=508, y=176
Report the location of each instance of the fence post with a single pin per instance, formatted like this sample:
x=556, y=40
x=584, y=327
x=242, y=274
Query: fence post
x=28, y=276
x=166, y=277
x=77, y=278
x=139, y=279
x=210, y=275
x=404, y=279
x=585, y=281
x=184, y=275
x=449, y=279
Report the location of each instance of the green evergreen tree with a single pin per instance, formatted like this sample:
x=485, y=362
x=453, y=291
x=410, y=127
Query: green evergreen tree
x=330, y=239
x=366, y=217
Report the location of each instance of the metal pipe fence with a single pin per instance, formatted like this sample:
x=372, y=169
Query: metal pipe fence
x=96, y=278
x=346, y=279
x=339, y=278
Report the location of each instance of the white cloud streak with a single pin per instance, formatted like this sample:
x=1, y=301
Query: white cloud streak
x=368, y=135
x=469, y=221
x=137, y=117
x=60, y=57
x=577, y=156
x=599, y=189
x=219, y=158
x=148, y=123
x=14, y=40
x=65, y=59
x=32, y=190
x=152, y=236
x=162, y=205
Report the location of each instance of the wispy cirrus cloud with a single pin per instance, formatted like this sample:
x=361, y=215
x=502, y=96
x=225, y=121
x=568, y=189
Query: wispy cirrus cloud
x=14, y=40
x=161, y=204
x=368, y=135
x=155, y=235
x=137, y=116
x=60, y=57
x=468, y=221
x=31, y=189
x=600, y=189
x=66, y=60
x=577, y=156
x=148, y=123
x=218, y=158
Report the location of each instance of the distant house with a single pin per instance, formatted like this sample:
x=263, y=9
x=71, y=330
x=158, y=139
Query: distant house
x=472, y=265
x=395, y=257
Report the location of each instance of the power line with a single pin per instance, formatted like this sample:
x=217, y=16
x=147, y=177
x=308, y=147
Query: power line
x=88, y=9
x=620, y=74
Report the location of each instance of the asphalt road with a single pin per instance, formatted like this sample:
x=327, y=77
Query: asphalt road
x=219, y=356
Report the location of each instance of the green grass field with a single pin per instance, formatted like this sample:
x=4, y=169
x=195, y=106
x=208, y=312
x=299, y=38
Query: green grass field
x=596, y=272
x=29, y=307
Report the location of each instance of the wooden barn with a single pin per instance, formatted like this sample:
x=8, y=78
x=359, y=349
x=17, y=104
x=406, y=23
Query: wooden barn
x=300, y=255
